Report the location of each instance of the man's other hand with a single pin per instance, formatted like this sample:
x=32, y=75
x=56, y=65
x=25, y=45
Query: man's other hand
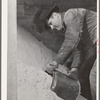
x=73, y=73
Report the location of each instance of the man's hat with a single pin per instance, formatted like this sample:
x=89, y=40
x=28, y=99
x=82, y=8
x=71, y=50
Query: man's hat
x=46, y=13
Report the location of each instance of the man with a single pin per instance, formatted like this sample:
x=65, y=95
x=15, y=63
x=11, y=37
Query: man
x=79, y=26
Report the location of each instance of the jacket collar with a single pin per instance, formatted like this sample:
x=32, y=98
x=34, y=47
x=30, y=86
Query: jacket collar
x=63, y=23
x=62, y=16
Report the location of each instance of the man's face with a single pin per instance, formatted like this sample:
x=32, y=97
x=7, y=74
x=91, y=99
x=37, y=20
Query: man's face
x=54, y=21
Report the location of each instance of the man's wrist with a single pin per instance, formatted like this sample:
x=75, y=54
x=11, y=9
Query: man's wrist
x=54, y=63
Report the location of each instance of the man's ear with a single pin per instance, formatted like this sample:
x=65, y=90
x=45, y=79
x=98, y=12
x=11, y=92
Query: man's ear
x=54, y=13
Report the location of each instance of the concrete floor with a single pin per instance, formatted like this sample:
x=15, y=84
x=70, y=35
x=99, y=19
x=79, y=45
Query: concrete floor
x=32, y=82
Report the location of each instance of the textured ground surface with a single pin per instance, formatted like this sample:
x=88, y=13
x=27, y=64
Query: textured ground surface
x=32, y=82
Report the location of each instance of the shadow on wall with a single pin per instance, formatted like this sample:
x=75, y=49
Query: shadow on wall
x=29, y=11
x=31, y=22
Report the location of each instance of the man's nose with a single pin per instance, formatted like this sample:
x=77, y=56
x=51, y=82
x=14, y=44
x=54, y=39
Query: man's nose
x=52, y=27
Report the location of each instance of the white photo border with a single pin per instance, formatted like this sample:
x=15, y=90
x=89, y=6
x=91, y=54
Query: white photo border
x=4, y=32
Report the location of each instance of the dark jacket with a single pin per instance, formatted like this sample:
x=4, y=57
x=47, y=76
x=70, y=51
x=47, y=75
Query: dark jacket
x=75, y=21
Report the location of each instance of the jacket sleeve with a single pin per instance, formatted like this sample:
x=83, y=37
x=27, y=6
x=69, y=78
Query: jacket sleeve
x=79, y=54
x=71, y=37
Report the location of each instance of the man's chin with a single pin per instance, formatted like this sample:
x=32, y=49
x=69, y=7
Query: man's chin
x=60, y=29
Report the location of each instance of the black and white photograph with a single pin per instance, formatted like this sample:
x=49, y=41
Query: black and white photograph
x=50, y=50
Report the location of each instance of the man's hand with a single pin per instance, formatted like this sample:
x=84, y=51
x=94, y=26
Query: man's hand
x=51, y=67
x=73, y=73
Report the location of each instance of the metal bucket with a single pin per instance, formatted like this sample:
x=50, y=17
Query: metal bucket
x=65, y=87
